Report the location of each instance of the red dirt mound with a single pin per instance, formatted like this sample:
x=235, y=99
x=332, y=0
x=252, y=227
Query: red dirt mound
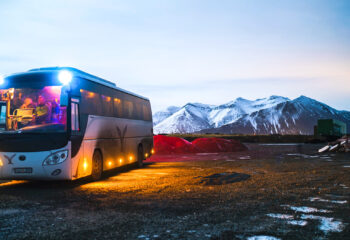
x=168, y=145
x=212, y=145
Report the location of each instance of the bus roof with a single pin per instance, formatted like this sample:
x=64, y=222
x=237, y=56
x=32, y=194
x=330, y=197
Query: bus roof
x=90, y=77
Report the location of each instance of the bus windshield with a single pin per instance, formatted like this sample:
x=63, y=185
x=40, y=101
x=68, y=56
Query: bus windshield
x=32, y=110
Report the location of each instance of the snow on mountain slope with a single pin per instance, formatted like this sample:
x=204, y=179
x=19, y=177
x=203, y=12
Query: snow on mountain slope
x=195, y=116
x=190, y=118
x=298, y=116
x=161, y=115
x=232, y=111
x=263, y=116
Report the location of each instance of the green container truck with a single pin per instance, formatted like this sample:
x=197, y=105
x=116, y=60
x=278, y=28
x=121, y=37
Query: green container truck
x=331, y=127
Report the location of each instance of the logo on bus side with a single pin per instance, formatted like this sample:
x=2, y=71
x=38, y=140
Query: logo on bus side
x=9, y=159
x=122, y=137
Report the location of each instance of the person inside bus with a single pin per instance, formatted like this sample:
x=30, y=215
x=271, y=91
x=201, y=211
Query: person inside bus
x=55, y=110
x=27, y=103
x=42, y=111
x=16, y=103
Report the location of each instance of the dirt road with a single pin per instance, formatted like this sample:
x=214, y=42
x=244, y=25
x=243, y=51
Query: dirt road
x=281, y=191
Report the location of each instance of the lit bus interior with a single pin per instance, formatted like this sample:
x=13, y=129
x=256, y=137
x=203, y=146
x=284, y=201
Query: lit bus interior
x=32, y=110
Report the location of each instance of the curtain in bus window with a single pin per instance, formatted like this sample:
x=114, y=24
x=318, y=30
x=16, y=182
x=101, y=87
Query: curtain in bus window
x=107, y=105
x=128, y=109
x=145, y=113
x=138, y=109
x=118, y=109
x=75, y=117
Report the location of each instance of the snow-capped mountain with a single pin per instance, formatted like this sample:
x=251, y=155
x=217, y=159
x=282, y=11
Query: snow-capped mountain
x=161, y=115
x=232, y=111
x=192, y=117
x=262, y=116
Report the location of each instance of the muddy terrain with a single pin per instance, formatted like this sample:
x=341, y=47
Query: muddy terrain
x=281, y=191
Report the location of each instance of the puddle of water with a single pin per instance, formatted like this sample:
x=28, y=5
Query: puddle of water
x=244, y=157
x=326, y=224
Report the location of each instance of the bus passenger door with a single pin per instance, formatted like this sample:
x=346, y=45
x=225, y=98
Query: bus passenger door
x=79, y=168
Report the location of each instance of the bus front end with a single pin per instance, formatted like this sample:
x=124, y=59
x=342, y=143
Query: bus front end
x=34, y=134
x=41, y=165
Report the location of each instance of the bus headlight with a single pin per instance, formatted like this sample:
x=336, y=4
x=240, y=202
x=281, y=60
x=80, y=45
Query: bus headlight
x=56, y=158
x=65, y=77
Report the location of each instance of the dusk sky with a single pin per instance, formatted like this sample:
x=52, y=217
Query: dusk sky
x=176, y=52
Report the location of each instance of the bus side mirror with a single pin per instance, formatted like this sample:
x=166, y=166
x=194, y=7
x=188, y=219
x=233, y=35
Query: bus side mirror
x=64, y=97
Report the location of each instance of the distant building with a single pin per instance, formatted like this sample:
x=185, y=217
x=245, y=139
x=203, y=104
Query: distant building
x=330, y=127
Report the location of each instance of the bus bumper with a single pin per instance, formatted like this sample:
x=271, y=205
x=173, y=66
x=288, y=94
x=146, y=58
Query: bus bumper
x=29, y=166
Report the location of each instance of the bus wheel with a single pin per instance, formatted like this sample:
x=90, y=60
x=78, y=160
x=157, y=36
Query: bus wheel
x=97, y=166
x=140, y=156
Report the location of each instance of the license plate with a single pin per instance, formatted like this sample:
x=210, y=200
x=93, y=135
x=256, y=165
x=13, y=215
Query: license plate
x=23, y=170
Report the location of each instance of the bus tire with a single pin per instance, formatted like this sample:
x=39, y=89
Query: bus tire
x=140, y=156
x=97, y=166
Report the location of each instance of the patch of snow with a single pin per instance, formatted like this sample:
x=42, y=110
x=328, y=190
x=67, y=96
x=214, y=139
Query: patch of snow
x=308, y=209
x=313, y=199
x=262, y=237
x=347, y=166
x=298, y=222
x=326, y=224
x=280, y=216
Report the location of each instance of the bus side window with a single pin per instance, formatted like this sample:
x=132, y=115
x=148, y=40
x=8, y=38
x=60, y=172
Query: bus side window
x=75, y=116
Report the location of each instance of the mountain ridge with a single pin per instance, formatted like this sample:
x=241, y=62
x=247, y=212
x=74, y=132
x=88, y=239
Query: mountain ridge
x=272, y=115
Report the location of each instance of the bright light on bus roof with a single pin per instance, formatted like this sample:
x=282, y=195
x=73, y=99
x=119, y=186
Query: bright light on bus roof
x=2, y=80
x=65, y=77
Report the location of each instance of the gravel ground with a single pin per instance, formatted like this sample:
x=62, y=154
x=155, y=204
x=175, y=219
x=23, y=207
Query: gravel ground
x=267, y=192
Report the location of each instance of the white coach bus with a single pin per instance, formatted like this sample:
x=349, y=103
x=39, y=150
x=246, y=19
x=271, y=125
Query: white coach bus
x=61, y=123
